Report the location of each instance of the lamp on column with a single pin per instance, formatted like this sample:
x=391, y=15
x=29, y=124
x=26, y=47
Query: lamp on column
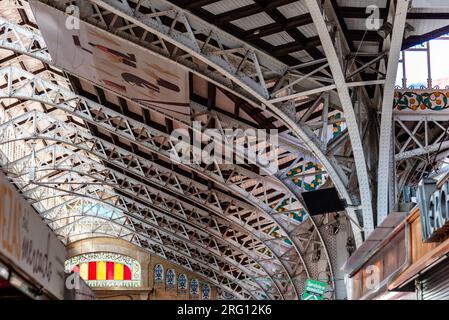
x=385, y=30
x=408, y=30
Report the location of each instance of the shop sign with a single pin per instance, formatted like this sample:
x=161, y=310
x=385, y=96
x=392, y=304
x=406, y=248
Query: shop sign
x=28, y=242
x=314, y=290
x=434, y=209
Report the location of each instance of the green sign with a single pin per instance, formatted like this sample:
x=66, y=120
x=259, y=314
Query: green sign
x=314, y=290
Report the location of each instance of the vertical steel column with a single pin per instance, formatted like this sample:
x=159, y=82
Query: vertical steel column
x=385, y=153
x=404, y=71
x=348, y=109
x=429, y=66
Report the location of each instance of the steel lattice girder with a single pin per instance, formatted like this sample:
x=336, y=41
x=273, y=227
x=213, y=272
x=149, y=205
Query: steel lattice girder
x=287, y=141
x=421, y=138
x=162, y=208
x=175, y=257
x=137, y=190
x=385, y=172
x=70, y=110
x=351, y=121
x=121, y=158
x=157, y=237
x=141, y=224
x=24, y=41
x=24, y=51
x=421, y=147
x=186, y=46
x=194, y=246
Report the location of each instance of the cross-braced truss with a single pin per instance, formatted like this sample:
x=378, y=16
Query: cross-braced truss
x=234, y=65
x=273, y=233
x=96, y=163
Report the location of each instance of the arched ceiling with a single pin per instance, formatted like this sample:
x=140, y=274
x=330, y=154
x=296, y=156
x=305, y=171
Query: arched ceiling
x=93, y=162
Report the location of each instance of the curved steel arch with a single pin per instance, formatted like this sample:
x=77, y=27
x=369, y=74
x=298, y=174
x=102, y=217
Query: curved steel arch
x=64, y=172
x=87, y=145
x=351, y=121
x=18, y=47
x=138, y=241
x=336, y=175
x=188, y=243
x=293, y=193
x=51, y=148
x=151, y=240
x=253, y=91
x=150, y=226
x=82, y=108
x=16, y=44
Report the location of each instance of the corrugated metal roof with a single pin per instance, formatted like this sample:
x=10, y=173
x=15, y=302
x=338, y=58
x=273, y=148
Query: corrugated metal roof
x=367, y=47
x=426, y=26
x=278, y=39
x=358, y=3
x=428, y=10
x=308, y=30
x=302, y=56
x=226, y=5
x=430, y=3
x=293, y=9
x=254, y=21
x=358, y=24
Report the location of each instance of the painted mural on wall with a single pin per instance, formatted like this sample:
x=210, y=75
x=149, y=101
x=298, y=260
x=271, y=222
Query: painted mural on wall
x=429, y=100
x=114, y=63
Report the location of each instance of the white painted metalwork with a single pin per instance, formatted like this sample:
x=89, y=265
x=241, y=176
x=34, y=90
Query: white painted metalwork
x=165, y=211
x=351, y=121
x=75, y=104
x=186, y=46
x=384, y=171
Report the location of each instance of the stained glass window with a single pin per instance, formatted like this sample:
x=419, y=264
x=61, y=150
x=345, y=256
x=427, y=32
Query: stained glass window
x=171, y=279
x=206, y=292
x=158, y=273
x=182, y=283
x=194, y=287
x=105, y=269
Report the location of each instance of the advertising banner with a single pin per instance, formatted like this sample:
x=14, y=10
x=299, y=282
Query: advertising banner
x=28, y=242
x=114, y=63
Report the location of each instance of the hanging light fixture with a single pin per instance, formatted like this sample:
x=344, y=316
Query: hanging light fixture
x=385, y=30
x=408, y=30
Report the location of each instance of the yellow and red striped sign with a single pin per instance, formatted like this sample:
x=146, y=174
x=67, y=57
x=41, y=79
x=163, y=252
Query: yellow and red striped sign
x=103, y=270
